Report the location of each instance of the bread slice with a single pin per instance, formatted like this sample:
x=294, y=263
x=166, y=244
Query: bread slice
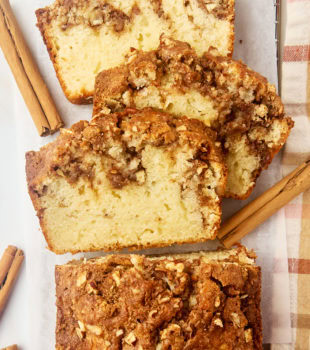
x=84, y=37
x=134, y=179
x=225, y=94
x=207, y=300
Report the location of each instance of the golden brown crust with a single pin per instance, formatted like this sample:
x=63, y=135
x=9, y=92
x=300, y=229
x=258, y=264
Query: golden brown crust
x=66, y=157
x=133, y=302
x=117, y=247
x=212, y=77
x=34, y=168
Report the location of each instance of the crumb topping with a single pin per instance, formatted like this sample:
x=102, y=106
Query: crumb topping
x=120, y=138
x=132, y=302
x=219, y=8
x=92, y=13
x=95, y=13
x=244, y=99
x=245, y=105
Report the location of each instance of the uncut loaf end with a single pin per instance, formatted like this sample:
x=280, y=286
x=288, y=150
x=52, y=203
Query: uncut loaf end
x=201, y=301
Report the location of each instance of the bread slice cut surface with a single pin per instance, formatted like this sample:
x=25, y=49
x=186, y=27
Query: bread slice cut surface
x=85, y=37
x=238, y=103
x=132, y=179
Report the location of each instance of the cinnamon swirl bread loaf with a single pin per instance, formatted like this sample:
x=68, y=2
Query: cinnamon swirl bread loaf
x=225, y=94
x=84, y=37
x=199, y=301
x=132, y=179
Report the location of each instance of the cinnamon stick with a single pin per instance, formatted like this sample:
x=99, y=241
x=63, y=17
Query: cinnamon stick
x=12, y=347
x=256, y=212
x=11, y=274
x=26, y=73
x=6, y=262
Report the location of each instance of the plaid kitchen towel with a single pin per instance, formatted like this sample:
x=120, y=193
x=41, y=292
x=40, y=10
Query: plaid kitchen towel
x=296, y=96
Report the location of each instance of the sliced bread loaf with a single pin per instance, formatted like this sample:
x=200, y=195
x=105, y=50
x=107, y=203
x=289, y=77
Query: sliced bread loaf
x=226, y=95
x=85, y=37
x=133, y=179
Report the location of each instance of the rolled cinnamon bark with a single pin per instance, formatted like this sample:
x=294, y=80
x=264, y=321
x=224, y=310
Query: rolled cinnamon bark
x=26, y=73
x=11, y=275
x=256, y=212
x=11, y=347
x=6, y=262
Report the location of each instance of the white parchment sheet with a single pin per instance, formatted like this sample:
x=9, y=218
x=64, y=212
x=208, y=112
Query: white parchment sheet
x=255, y=45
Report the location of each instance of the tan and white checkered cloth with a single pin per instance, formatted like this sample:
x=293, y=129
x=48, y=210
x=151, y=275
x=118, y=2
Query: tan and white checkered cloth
x=296, y=96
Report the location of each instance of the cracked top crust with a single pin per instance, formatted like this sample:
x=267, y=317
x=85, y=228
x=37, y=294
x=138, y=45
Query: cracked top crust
x=177, y=302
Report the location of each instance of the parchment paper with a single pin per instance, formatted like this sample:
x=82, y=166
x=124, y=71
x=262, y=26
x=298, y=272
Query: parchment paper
x=255, y=45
